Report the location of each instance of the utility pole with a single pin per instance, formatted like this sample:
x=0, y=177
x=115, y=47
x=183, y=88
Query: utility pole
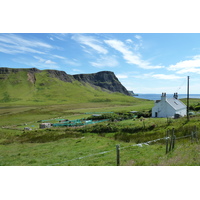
x=188, y=98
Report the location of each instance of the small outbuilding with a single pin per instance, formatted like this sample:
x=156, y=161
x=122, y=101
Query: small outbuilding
x=45, y=125
x=169, y=107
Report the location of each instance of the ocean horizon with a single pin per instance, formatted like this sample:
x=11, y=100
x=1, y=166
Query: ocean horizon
x=158, y=96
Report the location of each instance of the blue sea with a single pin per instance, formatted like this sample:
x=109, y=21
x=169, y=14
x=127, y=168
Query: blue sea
x=158, y=96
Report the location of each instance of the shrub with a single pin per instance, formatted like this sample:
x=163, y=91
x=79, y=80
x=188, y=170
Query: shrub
x=145, y=114
x=104, y=128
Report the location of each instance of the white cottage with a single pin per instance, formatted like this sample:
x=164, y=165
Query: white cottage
x=169, y=107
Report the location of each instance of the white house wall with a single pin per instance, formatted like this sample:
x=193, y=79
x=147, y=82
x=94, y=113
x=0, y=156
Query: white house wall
x=182, y=112
x=163, y=109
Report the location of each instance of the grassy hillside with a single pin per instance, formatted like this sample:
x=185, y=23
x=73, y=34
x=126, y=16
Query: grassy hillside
x=17, y=89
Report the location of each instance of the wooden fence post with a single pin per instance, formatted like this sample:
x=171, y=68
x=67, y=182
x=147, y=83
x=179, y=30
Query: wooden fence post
x=118, y=155
x=173, y=139
x=170, y=143
x=167, y=141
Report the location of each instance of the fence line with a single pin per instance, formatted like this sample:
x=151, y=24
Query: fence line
x=79, y=158
x=145, y=143
x=104, y=152
x=170, y=142
x=133, y=145
x=183, y=137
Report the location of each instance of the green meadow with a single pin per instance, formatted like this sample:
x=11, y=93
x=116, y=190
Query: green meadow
x=92, y=145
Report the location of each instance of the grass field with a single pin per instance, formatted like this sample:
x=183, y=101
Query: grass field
x=92, y=145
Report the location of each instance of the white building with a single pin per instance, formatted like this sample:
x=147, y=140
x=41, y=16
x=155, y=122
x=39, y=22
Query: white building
x=45, y=125
x=169, y=107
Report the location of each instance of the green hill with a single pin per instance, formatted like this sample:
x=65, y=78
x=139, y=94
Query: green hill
x=28, y=86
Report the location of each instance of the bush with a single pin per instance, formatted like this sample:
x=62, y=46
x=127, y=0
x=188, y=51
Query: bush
x=104, y=128
x=47, y=135
x=197, y=108
x=145, y=114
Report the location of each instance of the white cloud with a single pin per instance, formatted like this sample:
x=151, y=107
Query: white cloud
x=129, y=41
x=60, y=57
x=8, y=51
x=45, y=61
x=189, y=70
x=40, y=65
x=158, y=76
x=49, y=62
x=129, y=56
x=65, y=60
x=166, y=77
x=138, y=37
x=12, y=49
x=58, y=36
x=39, y=59
x=91, y=42
x=18, y=40
x=186, y=66
x=121, y=76
x=14, y=44
x=105, y=61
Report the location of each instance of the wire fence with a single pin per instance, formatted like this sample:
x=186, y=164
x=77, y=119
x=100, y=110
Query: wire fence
x=105, y=152
x=170, y=144
x=170, y=134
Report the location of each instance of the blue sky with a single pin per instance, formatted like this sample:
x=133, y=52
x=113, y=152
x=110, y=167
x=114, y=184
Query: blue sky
x=143, y=62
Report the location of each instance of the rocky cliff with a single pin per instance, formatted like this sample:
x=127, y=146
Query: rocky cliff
x=104, y=79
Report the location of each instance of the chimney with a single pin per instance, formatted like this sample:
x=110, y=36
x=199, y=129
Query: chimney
x=176, y=95
x=163, y=97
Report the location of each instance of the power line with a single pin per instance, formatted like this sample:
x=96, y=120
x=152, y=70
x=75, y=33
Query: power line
x=184, y=81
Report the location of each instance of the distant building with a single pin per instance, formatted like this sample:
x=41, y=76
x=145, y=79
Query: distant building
x=45, y=125
x=169, y=107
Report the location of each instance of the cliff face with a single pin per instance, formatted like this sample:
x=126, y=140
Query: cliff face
x=106, y=80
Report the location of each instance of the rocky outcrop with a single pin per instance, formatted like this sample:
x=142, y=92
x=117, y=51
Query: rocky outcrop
x=104, y=79
x=63, y=76
x=6, y=70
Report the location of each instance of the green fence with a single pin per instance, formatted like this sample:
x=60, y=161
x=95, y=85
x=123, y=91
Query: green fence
x=78, y=122
x=97, y=112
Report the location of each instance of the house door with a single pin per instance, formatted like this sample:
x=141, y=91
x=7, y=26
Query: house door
x=156, y=114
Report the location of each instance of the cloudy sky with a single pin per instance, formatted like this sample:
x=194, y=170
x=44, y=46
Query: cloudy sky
x=143, y=62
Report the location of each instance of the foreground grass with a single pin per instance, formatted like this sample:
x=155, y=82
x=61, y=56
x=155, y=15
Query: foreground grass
x=93, y=150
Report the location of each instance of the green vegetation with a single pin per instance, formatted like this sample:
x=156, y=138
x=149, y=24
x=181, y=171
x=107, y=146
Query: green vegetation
x=24, y=103
x=18, y=90
x=93, y=144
